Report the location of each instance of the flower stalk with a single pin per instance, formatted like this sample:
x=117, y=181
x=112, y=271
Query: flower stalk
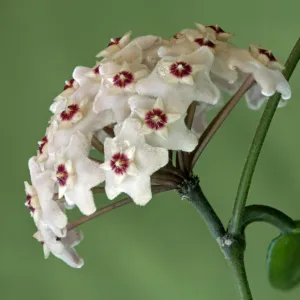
x=218, y=120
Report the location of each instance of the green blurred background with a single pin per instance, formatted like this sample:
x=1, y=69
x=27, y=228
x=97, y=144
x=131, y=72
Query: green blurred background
x=162, y=251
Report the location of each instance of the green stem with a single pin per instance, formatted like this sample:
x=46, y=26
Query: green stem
x=232, y=248
x=267, y=214
x=255, y=148
x=191, y=191
x=238, y=266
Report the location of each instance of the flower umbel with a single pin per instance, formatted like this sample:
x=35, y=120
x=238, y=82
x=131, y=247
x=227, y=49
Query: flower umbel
x=145, y=99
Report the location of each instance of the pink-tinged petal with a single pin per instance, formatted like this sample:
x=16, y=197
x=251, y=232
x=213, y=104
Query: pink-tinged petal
x=83, y=198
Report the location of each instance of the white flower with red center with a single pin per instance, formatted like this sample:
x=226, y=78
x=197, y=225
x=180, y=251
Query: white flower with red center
x=75, y=174
x=122, y=78
x=264, y=68
x=178, y=71
x=115, y=45
x=77, y=117
x=70, y=87
x=73, y=113
x=162, y=126
x=129, y=163
x=185, y=78
x=32, y=202
x=137, y=50
x=214, y=31
x=44, y=194
x=62, y=248
x=266, y=57
x=65, y=176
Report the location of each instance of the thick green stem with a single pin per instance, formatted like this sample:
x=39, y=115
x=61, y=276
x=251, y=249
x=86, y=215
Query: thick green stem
x=232, y=248
x=191, y=191
x=267, y=214
x=255, y=148
x=238, y=266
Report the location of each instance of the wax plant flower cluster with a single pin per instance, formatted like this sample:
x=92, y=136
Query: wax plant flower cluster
x=143, y=105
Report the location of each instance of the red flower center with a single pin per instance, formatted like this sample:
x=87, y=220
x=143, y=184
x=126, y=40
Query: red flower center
x=114, y=41
x=28, y=203
x=216, y=28
x=268, y=54
x=96, y=70
x=69, y=84
x=123, y=78
x=42, y=144
x=181, y=69
x=69, y=113
x=156, y=119
x=204, y=42
x=119, y=163
x=62, y=175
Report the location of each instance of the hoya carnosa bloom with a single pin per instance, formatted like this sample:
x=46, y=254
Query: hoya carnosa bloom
x=129, y=163
x=144, y=98
x=62, y=248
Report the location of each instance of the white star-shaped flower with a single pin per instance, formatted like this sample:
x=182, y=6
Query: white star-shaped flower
x=122, y=78
x=186, y=78
x=214, y=32
x=269, y=79
x=129, y=163
x=42, y=194
x=162, y=126
x=115, y=45
x=75, y=174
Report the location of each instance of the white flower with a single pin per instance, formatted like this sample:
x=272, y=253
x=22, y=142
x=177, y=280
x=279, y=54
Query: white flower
x=270, y=80
x=135, y=50
x=122, y=78
x=162, y=126
x=32, y=202
x=186, y=78
x=115, y=45
x=76, y=117
x=76, y=174
x=44, y=194
x=214, y=32
x=129, y=163
x=62, y=248
x=119, y=86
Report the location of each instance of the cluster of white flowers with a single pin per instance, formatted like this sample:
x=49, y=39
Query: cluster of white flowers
x=140, y=90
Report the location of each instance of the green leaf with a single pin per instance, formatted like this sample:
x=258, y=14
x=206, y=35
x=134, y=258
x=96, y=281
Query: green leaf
x=283, y=261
